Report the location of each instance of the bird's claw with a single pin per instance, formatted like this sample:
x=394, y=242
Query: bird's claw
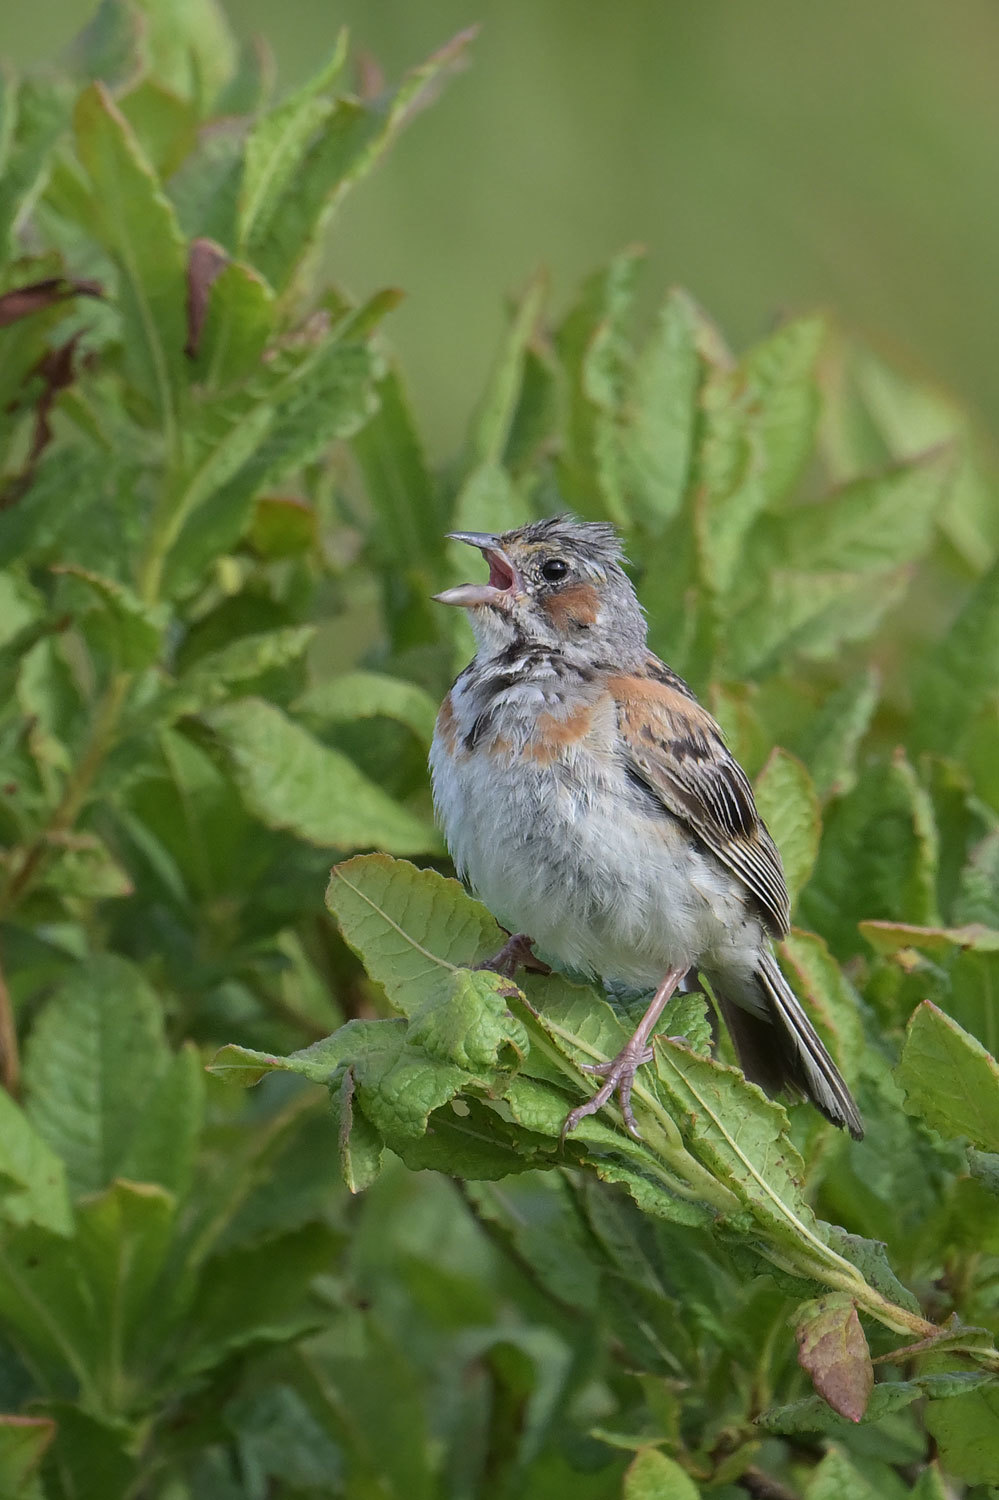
x=619, y=1077
x=516, y=953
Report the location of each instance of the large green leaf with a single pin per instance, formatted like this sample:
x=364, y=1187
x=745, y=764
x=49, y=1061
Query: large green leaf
x=95, y=1054
x=23, y=1441
x=789, y=806
x=949, y=1078
x=961, y=671
x=289, y=780
x=411, y=927
x=32, y=1177
x=135, y=223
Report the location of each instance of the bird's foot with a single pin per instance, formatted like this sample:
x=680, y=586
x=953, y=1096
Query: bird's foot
x=516, y=953
x=619, y=1078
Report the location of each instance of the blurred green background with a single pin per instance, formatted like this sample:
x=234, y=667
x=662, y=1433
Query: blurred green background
x=771, y=157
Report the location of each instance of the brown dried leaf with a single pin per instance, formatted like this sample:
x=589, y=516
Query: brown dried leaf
x=833, y=1349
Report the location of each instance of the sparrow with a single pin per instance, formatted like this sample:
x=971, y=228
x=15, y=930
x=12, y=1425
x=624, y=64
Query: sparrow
x=589, y=800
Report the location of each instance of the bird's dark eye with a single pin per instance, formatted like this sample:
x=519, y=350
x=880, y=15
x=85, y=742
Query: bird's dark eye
x=554, y=569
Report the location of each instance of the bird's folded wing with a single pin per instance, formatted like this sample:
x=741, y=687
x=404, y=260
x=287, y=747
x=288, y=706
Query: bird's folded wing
x=676, y=749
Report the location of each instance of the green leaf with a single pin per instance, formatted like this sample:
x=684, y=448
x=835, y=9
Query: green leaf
x=949, y=1079
x=789, y=806
x=872, y=525
x=32, y=1178
x=188, y=47
x=23, y=1441
x=960, y=672
x=303, y=402
x=136, y=223
x=813, y=1414
x=595, y=350
x=894, y=937
x=95, y=1054
x=361, y=1147
x=165, y=1144
x=878, y=858
x=966, y=1432
x=123, y=1240
x=833, y=1350
x=238, y=324
x=653, y=1476
x=741, y=1136
x=95, y=1454
x=289, y=780
x=830, y=999
x=276, y=147
x=833, y=736
x=661, y=410
x=130, y=630
x=412, y=928
x=316, y=173
x=811, y=613
x=837, y=1479
x=255, y=1296
x=409, y=512
x=32, y=118
x=366, y=695
x=783, y=399
x=493, y=422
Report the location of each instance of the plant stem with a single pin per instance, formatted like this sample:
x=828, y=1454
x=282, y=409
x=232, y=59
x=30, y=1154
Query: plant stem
x=74, y=794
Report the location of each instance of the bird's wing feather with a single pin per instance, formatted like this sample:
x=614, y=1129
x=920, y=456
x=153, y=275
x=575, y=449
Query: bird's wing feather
x=675, y=747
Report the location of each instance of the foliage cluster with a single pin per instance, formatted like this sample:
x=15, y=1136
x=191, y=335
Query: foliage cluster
x=218, y=536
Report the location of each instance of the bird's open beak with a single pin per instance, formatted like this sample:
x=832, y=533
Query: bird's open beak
x=504, y=582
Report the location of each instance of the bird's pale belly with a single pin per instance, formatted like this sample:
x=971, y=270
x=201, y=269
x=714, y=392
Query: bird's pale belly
x=559, y=862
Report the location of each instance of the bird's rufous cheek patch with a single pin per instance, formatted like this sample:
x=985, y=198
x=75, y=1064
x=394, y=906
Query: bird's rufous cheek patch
x=577, y=605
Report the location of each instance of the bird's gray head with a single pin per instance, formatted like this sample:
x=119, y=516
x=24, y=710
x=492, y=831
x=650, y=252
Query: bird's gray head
x=557, y=584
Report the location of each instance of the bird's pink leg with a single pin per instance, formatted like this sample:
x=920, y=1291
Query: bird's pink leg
x=619, y=1073
x=516, y=953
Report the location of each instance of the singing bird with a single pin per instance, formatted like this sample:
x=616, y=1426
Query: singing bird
x=590, y=801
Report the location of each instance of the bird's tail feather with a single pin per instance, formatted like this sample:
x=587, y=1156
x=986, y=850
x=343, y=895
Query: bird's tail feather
x=783, y=1048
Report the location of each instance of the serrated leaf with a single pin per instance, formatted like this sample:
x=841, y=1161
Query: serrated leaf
x=239, y=321
x=123, y=1239
x=133, y=631
x=878, y=858
x=780, y=375
x=365, y=695
x=870, y=1258
x=32, y=117
x=832, y=737
x=872, y=525
x=276, y=146
x=411, y=927
x=213, y=676
x=662, y=413
x=653, y=1476
x=810, y=613
x=136, y=224
x=949, y=1079
x=349, y=140
x=741, y=1136
x=289, y=780
x=164, y=1146
x=789, y=806
x=287, y=419
x=960, y=672
x=32, y=1178
x=94, y=1055
x=833, y=1350
x=595, y=350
